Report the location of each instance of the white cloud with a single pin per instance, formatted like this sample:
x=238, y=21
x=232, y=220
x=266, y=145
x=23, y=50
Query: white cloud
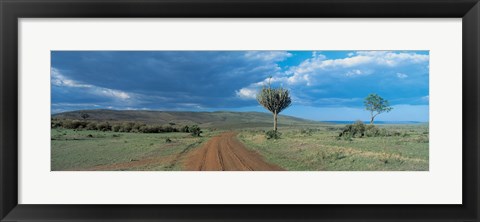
x=112, y=93
x=401, y=75
x=250, y=92
x=307, y=71
x=356, y=72
x=58, y=79
x=273, y=56
x=247, y=93
x=394, y=58
x=319, y=70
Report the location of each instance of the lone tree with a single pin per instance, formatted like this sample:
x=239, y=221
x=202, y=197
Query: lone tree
x=84, y=115
x=376, y=105
x=274, y=100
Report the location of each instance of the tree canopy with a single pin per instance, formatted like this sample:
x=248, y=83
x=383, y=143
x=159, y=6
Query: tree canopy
x=376, y=105
x=274, y=100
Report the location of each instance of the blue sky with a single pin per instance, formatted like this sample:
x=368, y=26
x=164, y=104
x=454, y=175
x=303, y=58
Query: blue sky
x=325, y=85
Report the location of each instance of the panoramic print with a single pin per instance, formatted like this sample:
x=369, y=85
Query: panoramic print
x=239, y=110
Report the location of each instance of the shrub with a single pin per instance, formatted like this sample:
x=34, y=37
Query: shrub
x=372, y=131
x=56, y=124
x=195, y=130
x=150, y=129
x=169, y=129
x=91, y=126
x=272, y=134
x=132, y=127
x=168, y=140
x=356, y=129
x=135, y=131
x=116, y=128
x=73, y=124
x=104, y=126
x=347, y=137
x=126, y=127
x=184, y=129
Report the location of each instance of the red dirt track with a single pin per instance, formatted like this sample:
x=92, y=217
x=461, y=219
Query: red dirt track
x=226, y=153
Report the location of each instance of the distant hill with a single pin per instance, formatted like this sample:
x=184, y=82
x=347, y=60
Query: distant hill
x=219, y=119
x=376, y=122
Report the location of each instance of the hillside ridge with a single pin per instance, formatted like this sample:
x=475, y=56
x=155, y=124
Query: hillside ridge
x=215, y=118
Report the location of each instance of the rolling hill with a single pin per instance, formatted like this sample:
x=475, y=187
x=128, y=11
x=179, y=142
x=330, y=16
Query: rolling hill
x=218, y=119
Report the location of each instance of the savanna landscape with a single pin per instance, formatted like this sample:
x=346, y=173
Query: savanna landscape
x=170, y=121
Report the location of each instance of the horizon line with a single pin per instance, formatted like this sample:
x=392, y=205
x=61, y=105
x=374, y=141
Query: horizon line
x=332, y=121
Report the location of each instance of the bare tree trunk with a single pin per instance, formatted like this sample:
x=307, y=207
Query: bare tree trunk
x=371, y=120
x=275, y=121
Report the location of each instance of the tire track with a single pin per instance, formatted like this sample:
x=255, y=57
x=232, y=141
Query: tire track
x=226, y=152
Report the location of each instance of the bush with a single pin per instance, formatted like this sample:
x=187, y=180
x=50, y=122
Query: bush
x=168, y=140
x=56, y=124
x=126, y=127
x=372, y=131
x=91, y=126
x=195, y=130
x=150, y=129
x=116, y=128
x=356, y=129
x=272, y=134
x=73, y=124
x=384, y=132
x=185, y=129
x=359, y=129
x=169, y=129
x=104, y=126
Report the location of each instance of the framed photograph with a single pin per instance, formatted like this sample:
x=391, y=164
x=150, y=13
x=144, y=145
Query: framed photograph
x=276, y=110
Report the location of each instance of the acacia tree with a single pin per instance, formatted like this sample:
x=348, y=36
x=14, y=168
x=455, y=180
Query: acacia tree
x=376, y=105
x=274, y=100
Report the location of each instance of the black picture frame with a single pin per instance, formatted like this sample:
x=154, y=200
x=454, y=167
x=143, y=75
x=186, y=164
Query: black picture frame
x=12, y=10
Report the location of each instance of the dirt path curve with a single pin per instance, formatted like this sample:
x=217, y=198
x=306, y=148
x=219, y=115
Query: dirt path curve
x=226, y=152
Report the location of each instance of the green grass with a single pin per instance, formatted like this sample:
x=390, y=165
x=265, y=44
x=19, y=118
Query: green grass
x=83, y=150
x=320, y=148
x=312, y=147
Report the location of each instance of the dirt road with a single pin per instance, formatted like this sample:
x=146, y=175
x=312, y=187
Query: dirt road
x=226, y=152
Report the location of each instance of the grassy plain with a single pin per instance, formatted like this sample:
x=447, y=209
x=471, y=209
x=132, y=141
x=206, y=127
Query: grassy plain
x=96, y=150
x=309, y=147
x=320, y=149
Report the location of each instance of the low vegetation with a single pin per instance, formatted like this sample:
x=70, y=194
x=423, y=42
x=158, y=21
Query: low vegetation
x=272, y=134
x=360, y=129
x=97, y=150
x=98, y=144
x=360, y=148
x=123, y=126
